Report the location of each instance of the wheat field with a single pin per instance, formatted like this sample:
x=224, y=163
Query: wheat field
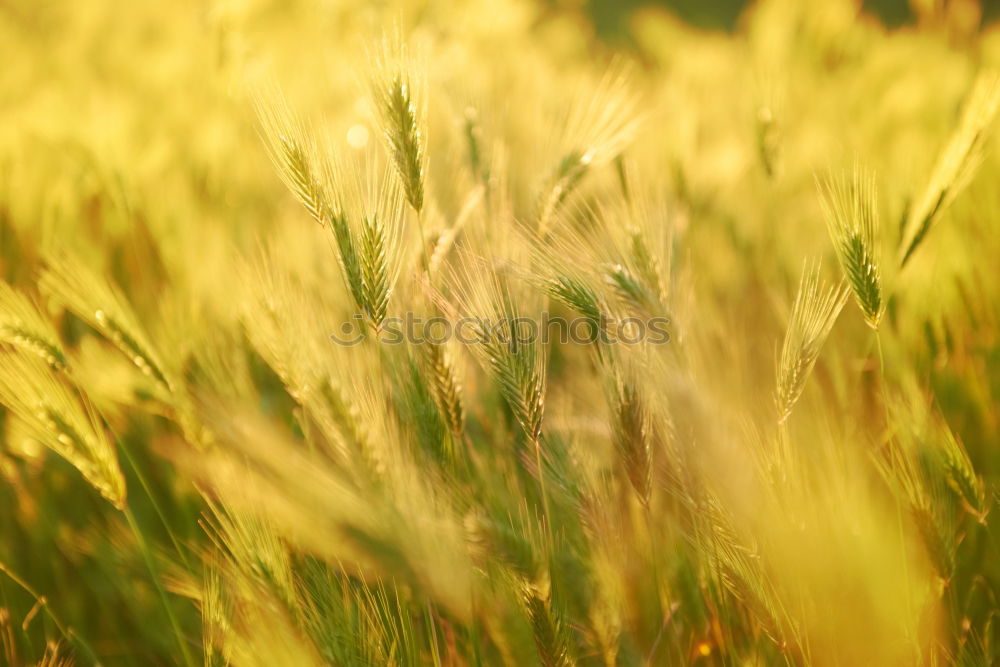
x=450, y=332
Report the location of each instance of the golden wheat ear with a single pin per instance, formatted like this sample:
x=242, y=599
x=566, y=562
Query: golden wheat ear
x=814, y=312
x=956, y=164
x=446, y=386
x=900, y=467
x=61, y=418
x=599, y=124
x=850, y=206
x=24, y=326
x=252, y=546
x=294, y=152
x=494, y=304
x=632, y=432
x=310, y=173
x=100, y=304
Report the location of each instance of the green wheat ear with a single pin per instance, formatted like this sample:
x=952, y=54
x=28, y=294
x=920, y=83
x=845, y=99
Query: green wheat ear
x=960, y=473
x=446, y=386
x=376, y=282
x=546, y=625
x=397, y=100
x=349, y=257
x=632, y=435
x=293, y=152
x=850, y=206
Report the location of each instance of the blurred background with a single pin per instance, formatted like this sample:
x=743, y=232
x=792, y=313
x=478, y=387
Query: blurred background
x=611, y=16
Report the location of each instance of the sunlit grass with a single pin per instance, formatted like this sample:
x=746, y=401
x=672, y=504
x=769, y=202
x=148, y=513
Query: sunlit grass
x=233, y=233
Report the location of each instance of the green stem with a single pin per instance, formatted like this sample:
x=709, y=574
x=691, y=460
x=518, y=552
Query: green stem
x=144, y=483
x=655, y=567
x=423, y=242
x=881, y=359
x=435, y=656
x=154, y=575
x=545, y=497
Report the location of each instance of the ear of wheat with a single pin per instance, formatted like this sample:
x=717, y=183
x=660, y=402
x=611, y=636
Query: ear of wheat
x=99, y=303
x=649, y=267
x=902, y=471
x=520, y=375
x=374, y=271
x=497, y=542
x=311, y=177
x=956, y=164
x=446, y=386
x=24, y=326
x=597, y=127
x=632, y=434
x=814, y=312
x=491, y=304
x=576, y=294
x=380, y=248
x=349, y=257
x=216, y=612
x=294, y=152
x=398, y=95
x=737, y=564
x=621, y=263
x=850, y=206
x=253, y=547
x=961, y=474
x=546, y=625
x=62, y=419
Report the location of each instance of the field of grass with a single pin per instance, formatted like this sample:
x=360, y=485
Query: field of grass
x=441, y=332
